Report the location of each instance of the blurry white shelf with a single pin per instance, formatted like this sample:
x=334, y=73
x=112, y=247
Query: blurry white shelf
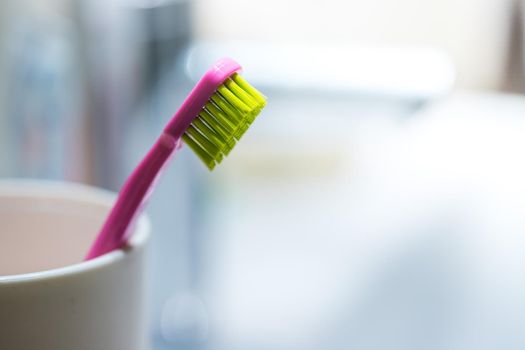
x=419, y=73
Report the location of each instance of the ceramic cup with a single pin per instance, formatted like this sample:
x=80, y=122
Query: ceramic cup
x=49, y=297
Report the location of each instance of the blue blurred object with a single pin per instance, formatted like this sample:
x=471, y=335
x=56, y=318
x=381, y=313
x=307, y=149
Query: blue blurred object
x=43, y=102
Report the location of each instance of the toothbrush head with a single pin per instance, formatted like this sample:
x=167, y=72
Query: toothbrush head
x=221, y=108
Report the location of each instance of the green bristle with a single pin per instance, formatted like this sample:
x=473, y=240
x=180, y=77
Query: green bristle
x=249, y=89
x=241, y=94
x=219, y=129
x=211, y=135
x=234, y=116
x=244, y=97
x=251, y=116
x=233, y=100
x=223, y=120
x=199, y=151
x=205, y=143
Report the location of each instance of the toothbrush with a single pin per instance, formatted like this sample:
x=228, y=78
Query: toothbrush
x=215, y=115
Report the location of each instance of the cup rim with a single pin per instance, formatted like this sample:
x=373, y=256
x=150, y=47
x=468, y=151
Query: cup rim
x=78, y=192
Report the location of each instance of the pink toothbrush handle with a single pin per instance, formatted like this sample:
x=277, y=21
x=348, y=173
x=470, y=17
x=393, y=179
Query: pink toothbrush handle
x=133, y=196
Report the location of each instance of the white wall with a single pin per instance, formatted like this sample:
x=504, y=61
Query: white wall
x=474, y=32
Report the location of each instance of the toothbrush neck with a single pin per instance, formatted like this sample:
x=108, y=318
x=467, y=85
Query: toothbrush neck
x=133, y=196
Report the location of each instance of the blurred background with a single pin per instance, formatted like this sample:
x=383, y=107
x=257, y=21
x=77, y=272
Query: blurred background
x=377, y=203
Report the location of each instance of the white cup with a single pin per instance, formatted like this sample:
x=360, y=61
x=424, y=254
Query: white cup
x=50, y=298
